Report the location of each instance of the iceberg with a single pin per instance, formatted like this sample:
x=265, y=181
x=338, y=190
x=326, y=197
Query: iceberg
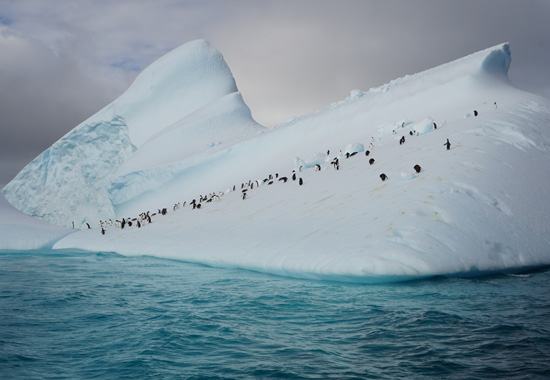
x=182, y=137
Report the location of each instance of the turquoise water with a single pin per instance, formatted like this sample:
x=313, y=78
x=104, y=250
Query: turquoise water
x=81, y=315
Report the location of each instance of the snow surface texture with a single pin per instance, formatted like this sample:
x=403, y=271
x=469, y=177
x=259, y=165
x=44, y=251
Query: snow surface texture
x=19, y=231
x=478, y=207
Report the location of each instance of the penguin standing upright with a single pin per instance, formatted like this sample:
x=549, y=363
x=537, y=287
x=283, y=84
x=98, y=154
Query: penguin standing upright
x=447, y=144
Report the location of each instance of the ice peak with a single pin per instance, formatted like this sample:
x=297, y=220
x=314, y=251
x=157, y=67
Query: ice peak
x=175, y=85
x=498, y=60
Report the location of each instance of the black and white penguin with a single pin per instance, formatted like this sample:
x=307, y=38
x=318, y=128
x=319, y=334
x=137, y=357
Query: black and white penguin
x=475, y=113
x=102, y=231
x=383, y=177
x=367, y=152
x=417, y=168
x=371, y=161
x=88, y=224
x=284, y=179
x=447, y=144
x=294, y=176
x=301, y=182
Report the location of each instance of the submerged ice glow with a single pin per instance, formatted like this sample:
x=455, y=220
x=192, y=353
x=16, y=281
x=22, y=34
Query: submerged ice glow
x=474, y=208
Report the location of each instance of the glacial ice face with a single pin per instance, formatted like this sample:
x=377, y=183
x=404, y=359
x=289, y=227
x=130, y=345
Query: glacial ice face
x=69, y=181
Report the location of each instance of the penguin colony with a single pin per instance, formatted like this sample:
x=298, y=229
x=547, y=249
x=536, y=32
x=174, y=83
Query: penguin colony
x=145, y=218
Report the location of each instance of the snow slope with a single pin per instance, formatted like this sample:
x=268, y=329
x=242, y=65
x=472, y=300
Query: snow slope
x=478, y=207
x=22, y=232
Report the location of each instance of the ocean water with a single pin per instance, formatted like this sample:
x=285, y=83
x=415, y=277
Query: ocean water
x=82, y=315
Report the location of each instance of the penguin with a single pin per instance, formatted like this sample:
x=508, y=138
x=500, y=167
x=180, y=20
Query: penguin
x=475, y=113
x=301, y=181
x=435, y=126
x=284, y=179
x=371, y=161
x=353, y=154
x=367, y=152
x=447, y=144
x=317, y=167
x=88, y=226
x=294, y=176
x=102, y=231
x=417, y=168
x=383, y=177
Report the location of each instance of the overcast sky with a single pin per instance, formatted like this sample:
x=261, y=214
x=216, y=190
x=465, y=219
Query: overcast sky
x=63, y=60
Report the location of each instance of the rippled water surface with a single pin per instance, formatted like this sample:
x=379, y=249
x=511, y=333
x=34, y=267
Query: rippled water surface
x=81, y=315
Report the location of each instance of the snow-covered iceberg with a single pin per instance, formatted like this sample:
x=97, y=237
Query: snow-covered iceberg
x=477, y=207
